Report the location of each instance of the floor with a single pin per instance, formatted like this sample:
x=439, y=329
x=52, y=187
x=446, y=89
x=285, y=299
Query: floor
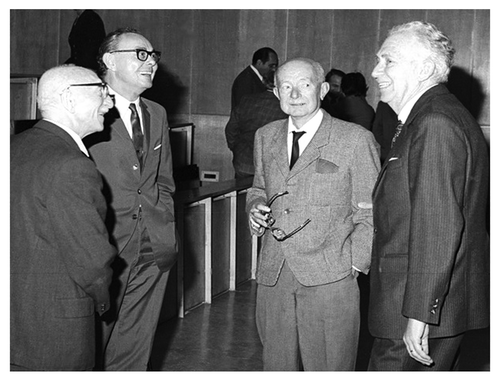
x=222, y=337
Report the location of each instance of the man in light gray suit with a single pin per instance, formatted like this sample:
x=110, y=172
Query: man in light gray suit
x=318, y=233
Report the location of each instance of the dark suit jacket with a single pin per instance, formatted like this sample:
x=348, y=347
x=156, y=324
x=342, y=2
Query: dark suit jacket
x=253, y=112
x=127, y=185
x=431, y=251
x=247, y=82
x=331, y=183
x=60, y=251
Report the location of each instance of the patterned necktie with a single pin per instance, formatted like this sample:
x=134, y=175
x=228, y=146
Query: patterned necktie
x=399, y=127
x=295, y=147
x=137, y=136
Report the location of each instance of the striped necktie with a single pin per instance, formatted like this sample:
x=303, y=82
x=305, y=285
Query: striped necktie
x=399, y=127
x=137, y=136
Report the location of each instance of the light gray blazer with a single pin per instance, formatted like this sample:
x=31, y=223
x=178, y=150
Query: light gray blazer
x=331, y=183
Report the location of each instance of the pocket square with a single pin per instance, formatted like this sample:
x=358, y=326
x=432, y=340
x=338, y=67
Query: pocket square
x=325, y=166
x=393, y=158
x=158, y=146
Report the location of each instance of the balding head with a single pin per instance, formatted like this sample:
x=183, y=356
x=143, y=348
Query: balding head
x=54, y=81
x=73, y=97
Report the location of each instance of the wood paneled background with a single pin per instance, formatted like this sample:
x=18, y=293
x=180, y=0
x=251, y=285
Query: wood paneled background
x=204, y=50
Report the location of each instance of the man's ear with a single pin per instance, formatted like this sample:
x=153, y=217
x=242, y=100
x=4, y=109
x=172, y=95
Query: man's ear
x=427, y=69
x=67, y=100
x=276, y=92
x=109, y=61
x=325, y=87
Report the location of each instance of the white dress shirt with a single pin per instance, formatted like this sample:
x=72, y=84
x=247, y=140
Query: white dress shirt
x=122, y=105
x=309, y=128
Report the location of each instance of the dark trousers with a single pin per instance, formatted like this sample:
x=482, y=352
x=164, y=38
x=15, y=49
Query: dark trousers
x=128, y=334
x=314, y=328
x=391, y=355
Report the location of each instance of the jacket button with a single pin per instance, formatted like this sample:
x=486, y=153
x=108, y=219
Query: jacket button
x=135, y=167
x=139, y=191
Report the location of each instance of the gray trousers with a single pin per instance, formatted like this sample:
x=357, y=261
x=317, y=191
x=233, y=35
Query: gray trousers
x=128, y=337
x=311, y=328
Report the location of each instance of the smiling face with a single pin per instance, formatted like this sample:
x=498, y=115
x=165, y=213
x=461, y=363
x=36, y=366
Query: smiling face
x=126, y=73
x=399, y=69
x=299, y=91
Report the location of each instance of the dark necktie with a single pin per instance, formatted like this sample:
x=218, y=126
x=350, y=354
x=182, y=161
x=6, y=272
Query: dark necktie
x=137, y=136
x=295, y=147
x=399, y=127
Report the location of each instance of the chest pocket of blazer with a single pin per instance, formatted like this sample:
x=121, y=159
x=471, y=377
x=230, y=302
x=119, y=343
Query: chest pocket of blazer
x=327, y=185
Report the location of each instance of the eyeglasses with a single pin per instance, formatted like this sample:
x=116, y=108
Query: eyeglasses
x=142, y=54
x=279, y=234
x=102, y=85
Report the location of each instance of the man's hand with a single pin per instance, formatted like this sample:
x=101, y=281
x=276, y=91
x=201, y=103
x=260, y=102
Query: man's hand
x=258, y=216
x=416, y=339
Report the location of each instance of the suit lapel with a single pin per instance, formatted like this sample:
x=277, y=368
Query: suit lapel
x=279, y=149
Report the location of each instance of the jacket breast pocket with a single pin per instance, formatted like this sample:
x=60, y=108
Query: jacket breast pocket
x=327, y=188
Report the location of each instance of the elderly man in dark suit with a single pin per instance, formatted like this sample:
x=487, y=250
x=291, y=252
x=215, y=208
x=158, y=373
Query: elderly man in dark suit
x=60, y=268
x=133, y=154
x=430, y=265
x=253, y=112
x=254, y=78
x=318, y=230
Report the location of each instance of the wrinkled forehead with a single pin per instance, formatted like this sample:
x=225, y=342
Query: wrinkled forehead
x=295, y=71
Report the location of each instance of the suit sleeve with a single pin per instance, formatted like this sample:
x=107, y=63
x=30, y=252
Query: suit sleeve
x=365, y=169
x=231, y=130
x=257, y=193
x=436, y=170
x=77, y=210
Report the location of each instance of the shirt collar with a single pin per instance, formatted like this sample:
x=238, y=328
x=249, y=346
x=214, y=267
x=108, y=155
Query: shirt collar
x=73, y=135
x=121, y=103
x=311, y=126
x=405, y=111
x=256, y=72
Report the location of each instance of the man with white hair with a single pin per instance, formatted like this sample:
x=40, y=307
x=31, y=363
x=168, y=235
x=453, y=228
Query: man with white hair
x=60, y=250
x=429, y=281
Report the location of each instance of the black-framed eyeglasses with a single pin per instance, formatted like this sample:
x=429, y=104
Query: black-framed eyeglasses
x=142, y=54
x=102, y=85
x=278, y=233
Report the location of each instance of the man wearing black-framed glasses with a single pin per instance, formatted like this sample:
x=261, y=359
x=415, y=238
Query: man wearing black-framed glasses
x=311, y=204
x=133, y=154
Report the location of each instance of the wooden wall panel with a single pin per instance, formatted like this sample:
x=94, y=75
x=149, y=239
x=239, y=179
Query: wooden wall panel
x=214, y=39
x=258, y=29
x=34, y=40
x=309, y=35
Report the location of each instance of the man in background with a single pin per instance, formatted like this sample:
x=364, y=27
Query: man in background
x=253, y=112
x=60, y=258
x=254, y=78
x=429, y=282
x=134, y=156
